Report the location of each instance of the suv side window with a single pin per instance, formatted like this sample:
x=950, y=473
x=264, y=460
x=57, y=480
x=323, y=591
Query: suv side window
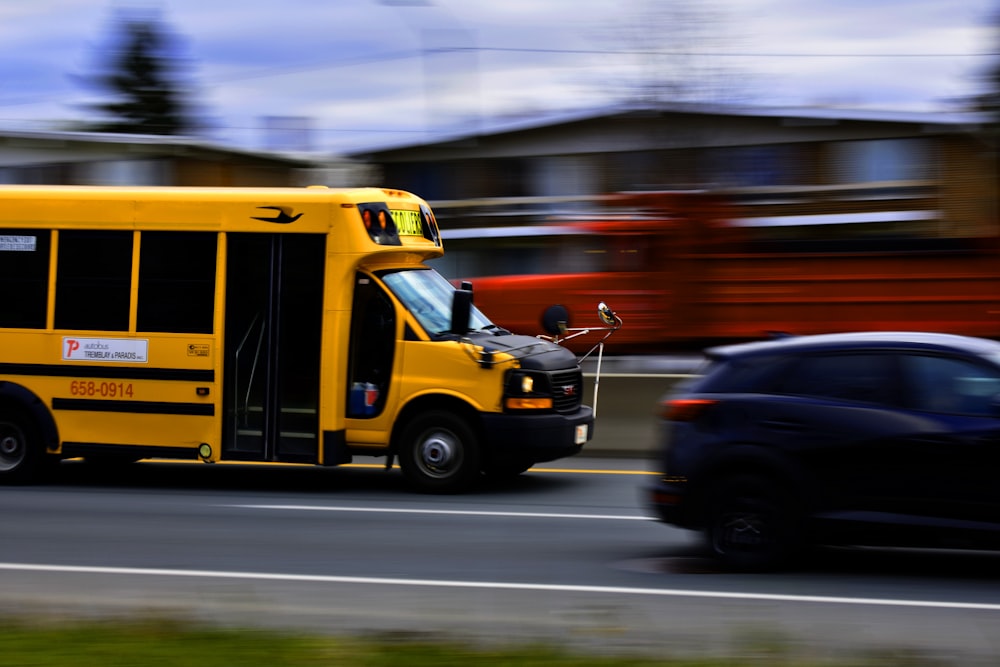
x=734, y=376
x=866, y=378
x=951, y=385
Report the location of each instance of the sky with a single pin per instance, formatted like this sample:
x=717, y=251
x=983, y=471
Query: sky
x=350, y=75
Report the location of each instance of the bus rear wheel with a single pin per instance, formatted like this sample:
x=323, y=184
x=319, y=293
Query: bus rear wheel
x=19, y=455
x=439, y=453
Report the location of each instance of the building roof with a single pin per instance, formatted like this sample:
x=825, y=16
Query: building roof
x=150, y=143
x=958, y=121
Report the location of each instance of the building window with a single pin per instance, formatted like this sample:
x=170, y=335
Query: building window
x=128, y=172
x=753, y=166
x=880, y=160
x=38, y=174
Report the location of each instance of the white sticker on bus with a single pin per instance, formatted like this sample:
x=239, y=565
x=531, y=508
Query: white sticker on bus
x=18, y=243
x=126, y=350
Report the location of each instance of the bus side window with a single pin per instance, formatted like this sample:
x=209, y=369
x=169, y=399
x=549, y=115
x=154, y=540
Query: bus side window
x=373, y=344
x=177, y=281
x=93, y=280
x=24, y=277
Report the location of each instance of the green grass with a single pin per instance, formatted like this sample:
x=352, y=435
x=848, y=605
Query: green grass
x=155, y=643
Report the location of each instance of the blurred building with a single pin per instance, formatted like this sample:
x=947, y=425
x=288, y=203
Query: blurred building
x=933, y=173
x=728, y=222
x=85, y=158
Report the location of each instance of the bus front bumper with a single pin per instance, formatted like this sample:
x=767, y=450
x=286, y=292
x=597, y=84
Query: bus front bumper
x=538, y=438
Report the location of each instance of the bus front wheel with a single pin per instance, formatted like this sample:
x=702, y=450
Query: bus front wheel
x=19, y=454
x=439, y=453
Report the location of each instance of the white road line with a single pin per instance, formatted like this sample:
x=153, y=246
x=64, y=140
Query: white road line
x=561, y=588
x=394, y=510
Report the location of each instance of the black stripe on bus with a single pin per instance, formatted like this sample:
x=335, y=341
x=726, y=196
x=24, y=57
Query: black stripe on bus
x=117, y=372
x=135, y=407
x=72, y=450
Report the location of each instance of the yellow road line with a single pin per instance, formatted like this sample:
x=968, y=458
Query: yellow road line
x=596, y=471
x=380, y=466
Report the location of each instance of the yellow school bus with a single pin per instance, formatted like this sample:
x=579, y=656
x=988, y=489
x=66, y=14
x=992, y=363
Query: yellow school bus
x=296, y=325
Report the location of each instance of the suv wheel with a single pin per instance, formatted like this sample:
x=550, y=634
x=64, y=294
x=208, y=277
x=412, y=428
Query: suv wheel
x=749, y=526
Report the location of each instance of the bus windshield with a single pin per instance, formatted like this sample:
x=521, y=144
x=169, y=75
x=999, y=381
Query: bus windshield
x=427, y=295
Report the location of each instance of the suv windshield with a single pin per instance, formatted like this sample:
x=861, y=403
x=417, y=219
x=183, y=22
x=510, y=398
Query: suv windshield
x=426, y=294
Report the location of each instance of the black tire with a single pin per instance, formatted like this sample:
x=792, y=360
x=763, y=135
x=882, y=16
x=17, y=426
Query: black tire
x=750, y=524
x=20, y=456
x=439, y=453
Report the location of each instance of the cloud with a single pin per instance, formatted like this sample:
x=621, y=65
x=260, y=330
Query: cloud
x=375, y=70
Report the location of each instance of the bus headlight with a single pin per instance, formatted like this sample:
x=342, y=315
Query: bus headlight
x=534, y=403
x=525, y=390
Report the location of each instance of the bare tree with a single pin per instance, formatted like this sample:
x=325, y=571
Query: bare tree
x=144, y=73
x=674, y=52
x=989, y=100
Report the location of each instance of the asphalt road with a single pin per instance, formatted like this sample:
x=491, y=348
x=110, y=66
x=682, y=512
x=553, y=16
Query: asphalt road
x=564, y=553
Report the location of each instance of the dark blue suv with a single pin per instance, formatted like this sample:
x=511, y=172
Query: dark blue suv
x=859, y=438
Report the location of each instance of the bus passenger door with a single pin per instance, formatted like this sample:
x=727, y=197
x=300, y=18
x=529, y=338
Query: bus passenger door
x=372, y=349
x=274, y=312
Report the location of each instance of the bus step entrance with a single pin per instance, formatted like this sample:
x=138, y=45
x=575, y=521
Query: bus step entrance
x=297, y=432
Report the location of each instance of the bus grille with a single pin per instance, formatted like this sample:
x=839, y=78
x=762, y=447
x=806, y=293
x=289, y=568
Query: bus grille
x=567, y=390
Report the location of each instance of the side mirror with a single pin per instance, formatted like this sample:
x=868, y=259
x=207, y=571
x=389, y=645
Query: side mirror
x=606, y=314
x=555, y=320
x=461, y=311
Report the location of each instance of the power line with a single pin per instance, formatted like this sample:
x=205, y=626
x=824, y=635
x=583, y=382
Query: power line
x=712, y=54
